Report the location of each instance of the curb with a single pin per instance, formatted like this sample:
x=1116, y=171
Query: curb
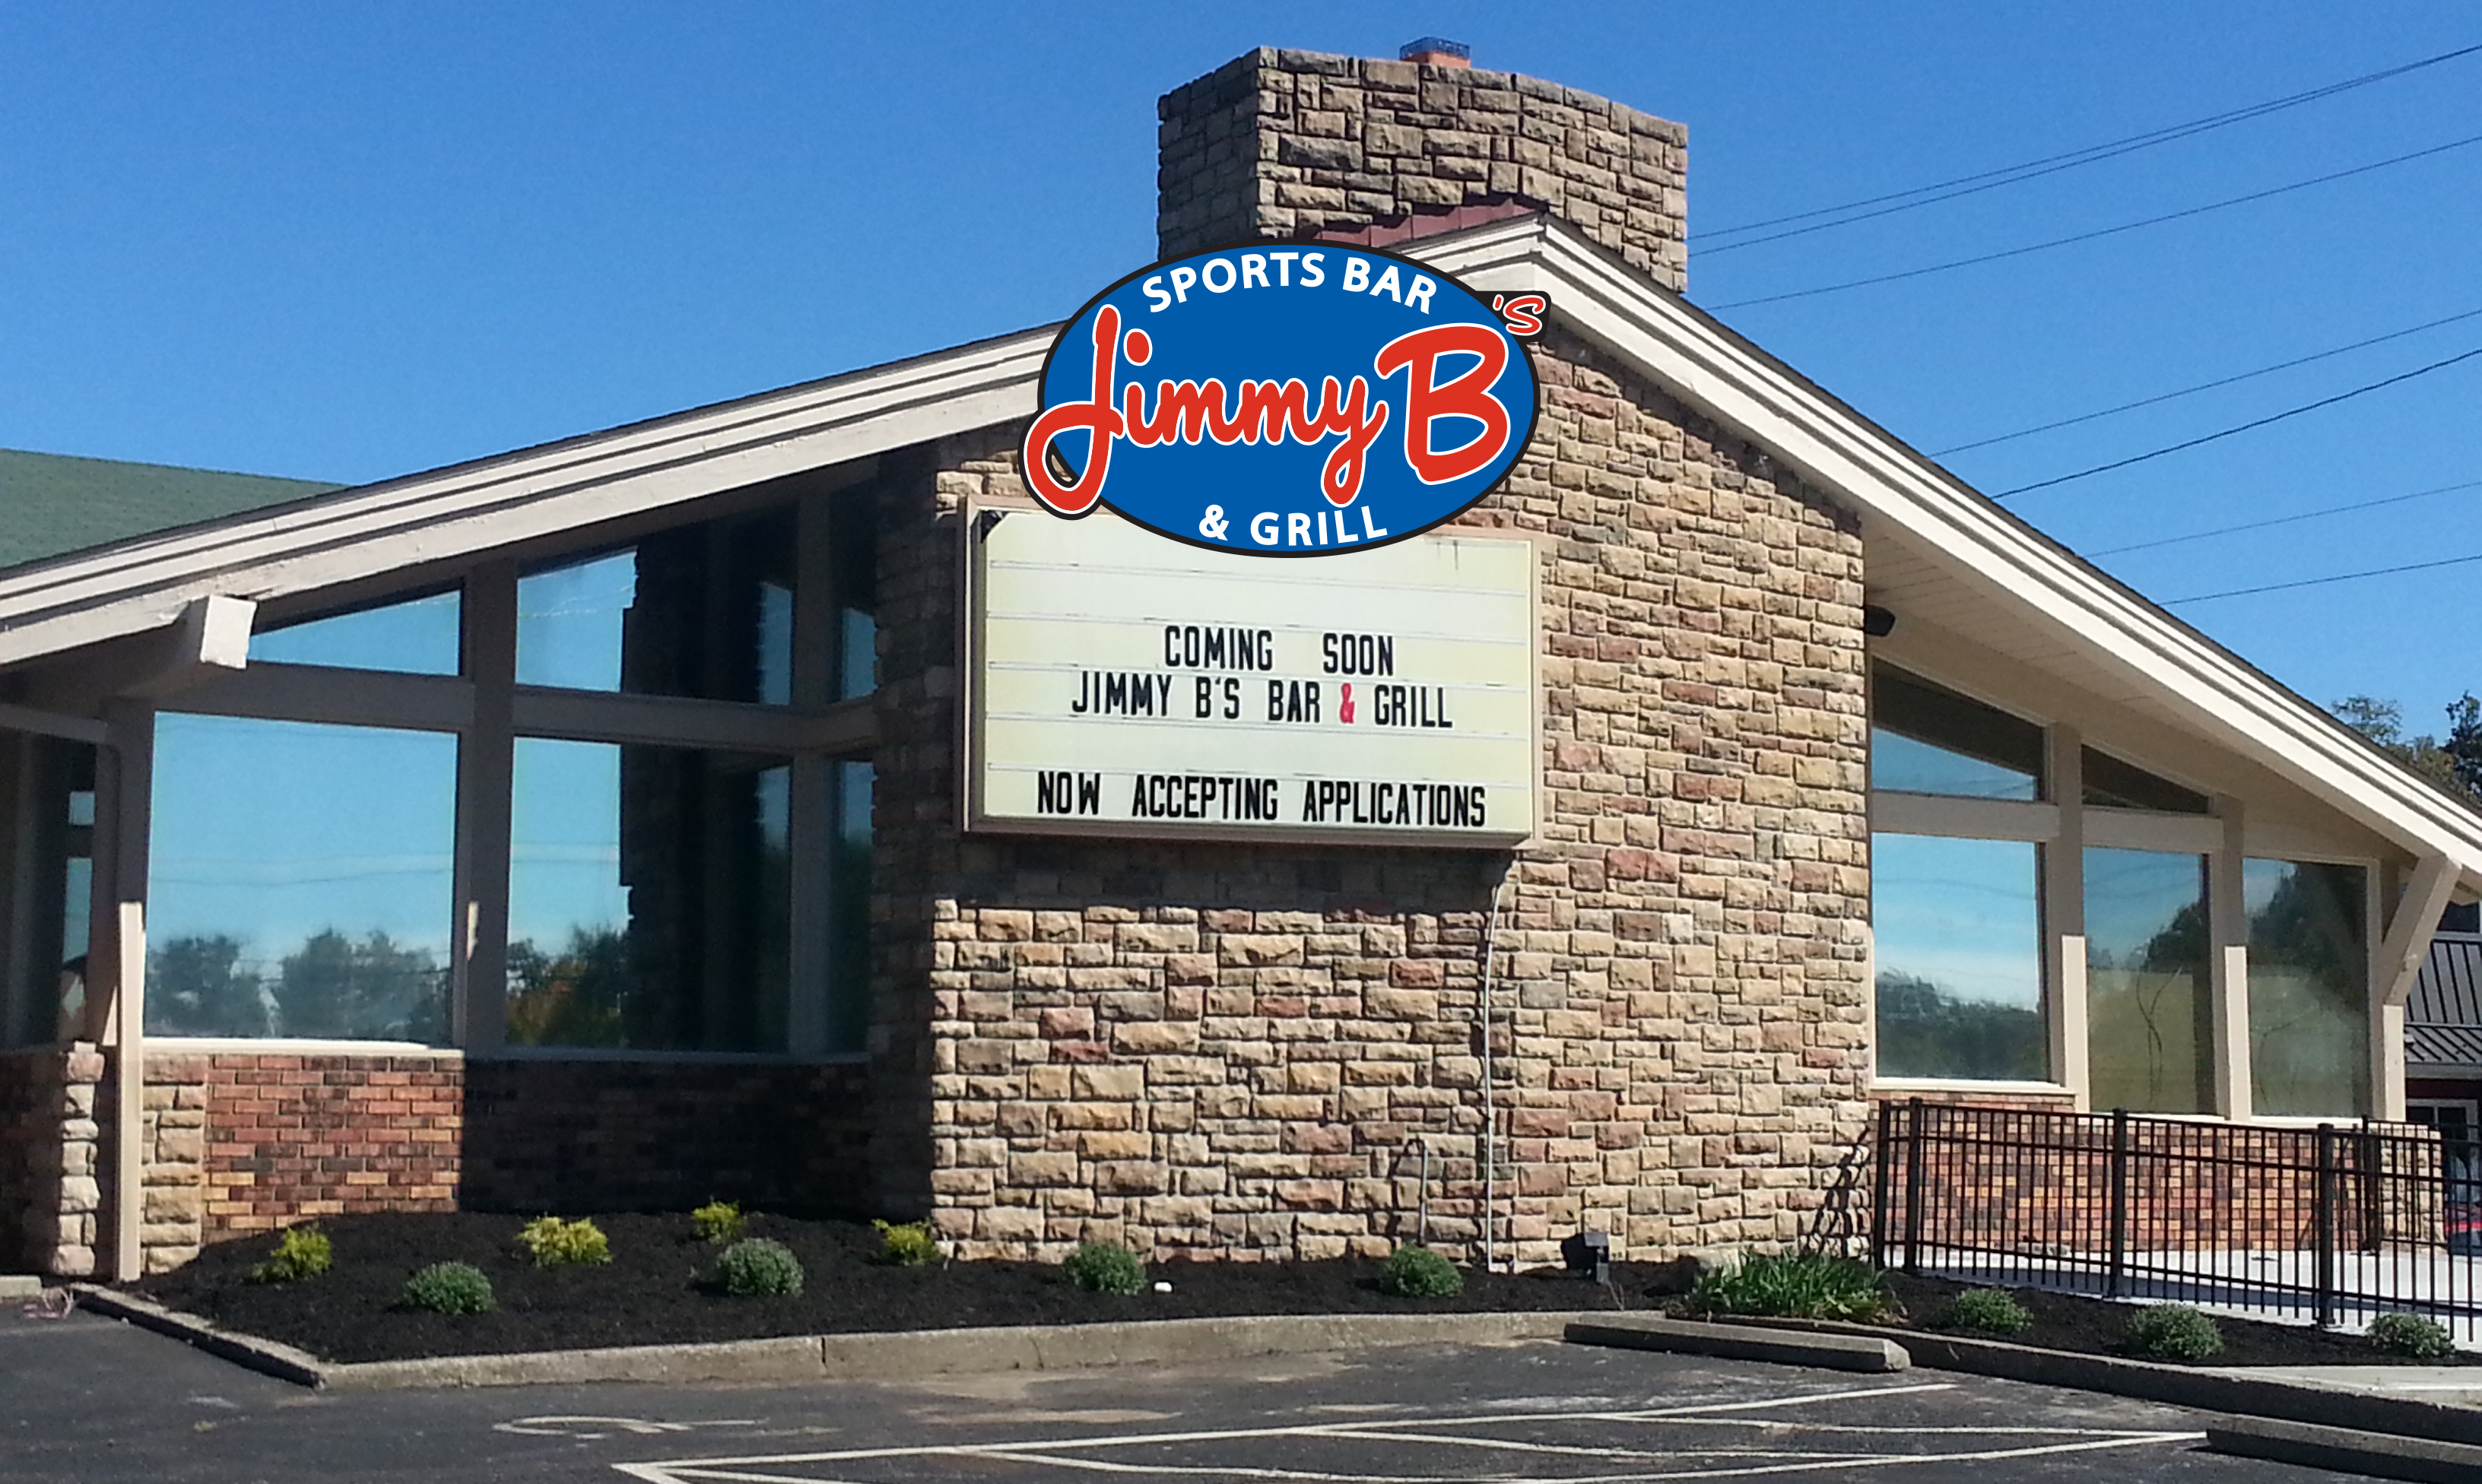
x=15, y=1286
x=2379, y=1454
x=900, y=1356
x=2239, y=1397
x=1740, y=1342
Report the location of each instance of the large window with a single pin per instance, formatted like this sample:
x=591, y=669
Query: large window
x=1958, y=932
x=703, y=612
x=298, y=880
x=2308, y=988
x=2150, y=998
x=46, y=885
x=1925, y=739
x=414, y=635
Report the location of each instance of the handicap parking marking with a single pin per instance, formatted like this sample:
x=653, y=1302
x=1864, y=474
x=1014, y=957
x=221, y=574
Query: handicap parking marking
x=1767, y=1446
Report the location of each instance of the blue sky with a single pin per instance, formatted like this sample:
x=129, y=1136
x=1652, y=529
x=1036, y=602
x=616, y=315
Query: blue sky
x=352, y=241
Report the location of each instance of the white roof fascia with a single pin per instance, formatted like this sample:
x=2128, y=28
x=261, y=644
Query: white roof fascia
x=1696, y=359
x=358, y=534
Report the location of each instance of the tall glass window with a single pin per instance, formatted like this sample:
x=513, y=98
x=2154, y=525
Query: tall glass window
x=705, y=611
x=2308, y=988
x=1925, y=739
x=2150, y=1000
x=298, y=880
x=849, y=913
x=1957, y=926
x=649, y=898
x=416, y=637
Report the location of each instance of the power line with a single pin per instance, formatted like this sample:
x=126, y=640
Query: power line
x=2282, y=520
x=2202, y=386
x=2315, y=581
x=2030, y=168
x=2277, y=417
x=2108, y=231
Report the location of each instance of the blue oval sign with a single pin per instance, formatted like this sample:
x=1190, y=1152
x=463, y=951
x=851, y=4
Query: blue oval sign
x=1284, y=400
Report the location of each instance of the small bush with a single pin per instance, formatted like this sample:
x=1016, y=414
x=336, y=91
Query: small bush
x=2174, y=1332
x=558, y=1243
x=756, y=1267
x=1418, y=1272
x=1987, y=1312
x=2412, y=1336
x=1795, y=1285
x=907, y=1243
x=450, y=1287
x=1105, y=1267
x=302, y=1252
x=720, y=1223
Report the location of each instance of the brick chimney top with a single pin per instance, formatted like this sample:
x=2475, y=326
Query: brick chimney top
x=1435, y=51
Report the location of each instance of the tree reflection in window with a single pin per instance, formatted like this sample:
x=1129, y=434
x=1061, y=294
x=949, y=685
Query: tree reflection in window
x=1957, y=939
x=332, y=987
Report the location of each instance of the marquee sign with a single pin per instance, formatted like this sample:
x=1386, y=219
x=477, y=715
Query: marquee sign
x=1121, y=687
x=1284, y=400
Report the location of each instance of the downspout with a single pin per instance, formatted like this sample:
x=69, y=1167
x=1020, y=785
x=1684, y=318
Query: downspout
x=1490, y=1115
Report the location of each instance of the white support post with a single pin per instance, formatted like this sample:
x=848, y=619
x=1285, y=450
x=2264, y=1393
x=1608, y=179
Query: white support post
x=2064, y=914
x=116, y=964
x=2227, y=929
x=2394, y=965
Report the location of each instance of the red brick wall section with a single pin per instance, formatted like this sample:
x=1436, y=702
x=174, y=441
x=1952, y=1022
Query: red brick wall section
x=291, y=1136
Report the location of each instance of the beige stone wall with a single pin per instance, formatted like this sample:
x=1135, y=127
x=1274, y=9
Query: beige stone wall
x=1289, y=144
x=54, y=1184
x=1230, y=1050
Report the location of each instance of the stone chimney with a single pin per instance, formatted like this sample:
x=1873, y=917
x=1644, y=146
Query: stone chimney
x=1291, y=144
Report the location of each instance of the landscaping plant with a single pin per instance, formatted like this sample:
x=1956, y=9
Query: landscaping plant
x=450, y=1287
x=2174, y=1332
x=907, y=1243
x=2411, y=1336
x=720, y=1223
x=1791, y=1285
x=756, y=1267
x=302, y=1252
x=1988, y=1311
x=558, y=1243
x=1418, y=1272
x=1105, y=1267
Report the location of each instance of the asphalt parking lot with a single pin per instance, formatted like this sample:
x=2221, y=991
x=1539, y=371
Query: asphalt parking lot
x=90, y=1400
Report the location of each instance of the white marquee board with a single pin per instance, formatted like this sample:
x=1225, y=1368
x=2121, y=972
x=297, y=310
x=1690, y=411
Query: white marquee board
x=1122, y=684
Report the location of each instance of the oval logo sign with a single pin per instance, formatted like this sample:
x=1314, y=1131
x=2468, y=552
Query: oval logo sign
x=1284, y=400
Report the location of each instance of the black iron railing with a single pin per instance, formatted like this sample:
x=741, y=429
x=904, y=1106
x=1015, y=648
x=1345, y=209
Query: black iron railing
x=2333, y=1224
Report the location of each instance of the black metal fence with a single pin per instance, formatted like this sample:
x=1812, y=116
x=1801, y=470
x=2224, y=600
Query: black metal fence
x=2333, y=1224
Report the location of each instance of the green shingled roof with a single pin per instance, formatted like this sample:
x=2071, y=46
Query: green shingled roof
x=52, y=504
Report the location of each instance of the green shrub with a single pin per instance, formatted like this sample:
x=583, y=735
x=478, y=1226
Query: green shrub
x=1796, y=1285
x=302, y=1252
x=1987, y=1312
x=558, y=1243
x=720, y=1223
x=1105, y=1267
x=2174, y=1332
x=907, y=1243
x=756, y=1267
x=450, y=1287
x=1418, y=1272
x=2412, y=1336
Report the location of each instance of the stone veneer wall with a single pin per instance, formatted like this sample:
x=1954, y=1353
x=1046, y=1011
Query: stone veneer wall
x=48, y=1147
x=1227, y=1050
x=1289, y=144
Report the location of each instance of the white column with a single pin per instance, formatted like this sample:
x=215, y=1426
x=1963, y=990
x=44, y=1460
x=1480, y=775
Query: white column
x=117, y=961
x=2064, y=913
x=2228, y=924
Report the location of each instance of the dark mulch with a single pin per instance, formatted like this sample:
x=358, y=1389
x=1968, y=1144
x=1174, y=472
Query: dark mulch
x=2094, y=1326
x=655, y=1292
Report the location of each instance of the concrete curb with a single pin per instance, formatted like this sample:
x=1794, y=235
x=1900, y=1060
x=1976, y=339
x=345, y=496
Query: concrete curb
x=2380, y=1454
x=905, y=1355
x=13, y=1285
x=2201, y=1391
x=1742, y=1343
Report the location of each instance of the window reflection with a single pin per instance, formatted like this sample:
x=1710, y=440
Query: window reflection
x=1957, y=931
x=286, y=894
x=649, y=897
x=849, y=911
x=1925, y=739
x=2308, y=988
x=2149, y=1001
x=53, y=782
x=706, y=610
x=418, y=637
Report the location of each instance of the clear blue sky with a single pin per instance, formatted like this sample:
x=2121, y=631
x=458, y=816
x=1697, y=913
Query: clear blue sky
x=348, y=241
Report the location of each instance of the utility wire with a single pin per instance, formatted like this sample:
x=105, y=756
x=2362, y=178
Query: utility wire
x=2315, y=581
x=2282, y=520
x=2108, y=231
x=2277, y=417
x=2202, y=386
x=2030, y=168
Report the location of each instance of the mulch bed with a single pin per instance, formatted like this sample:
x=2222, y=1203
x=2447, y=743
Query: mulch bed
x=655, y=1289
x=2094, y=1326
